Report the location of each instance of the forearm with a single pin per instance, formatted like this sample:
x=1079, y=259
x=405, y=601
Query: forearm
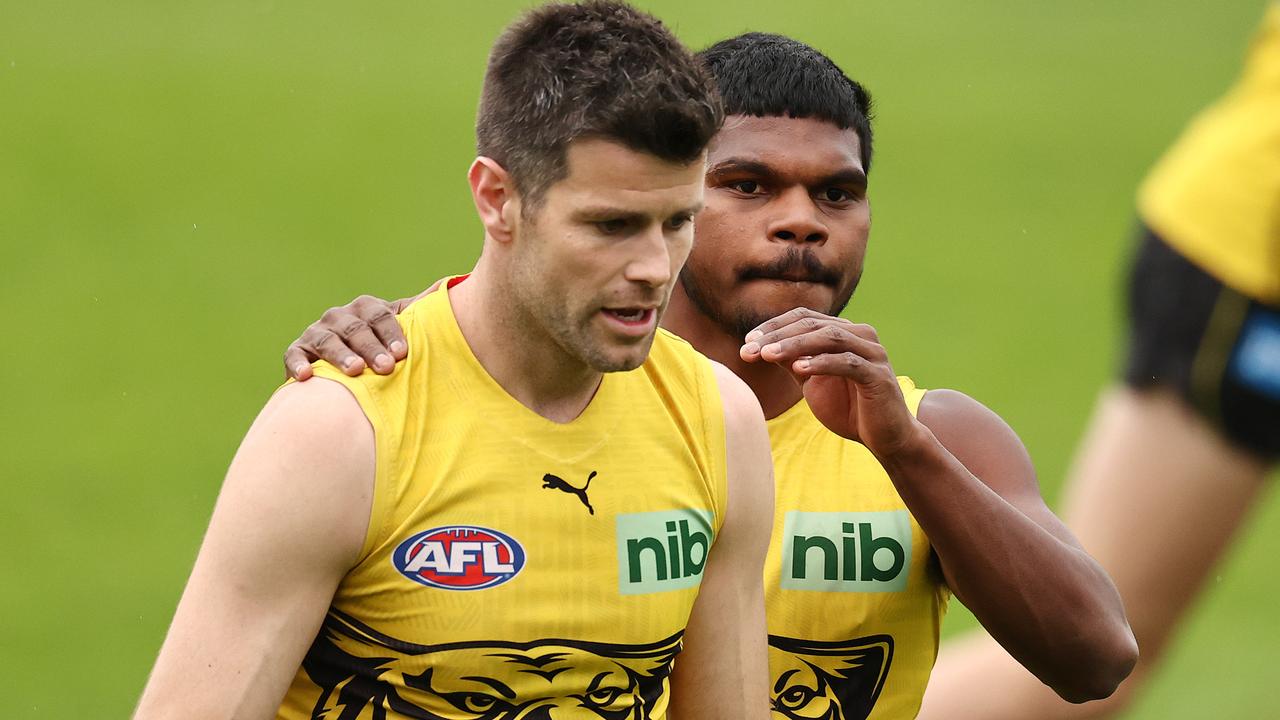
x=239, y=676
x=721, y=674
x=1044, y=599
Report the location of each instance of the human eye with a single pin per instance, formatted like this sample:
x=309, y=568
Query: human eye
x=837, y=195
x=679, y=221
x=615, y=226
x=746, y=187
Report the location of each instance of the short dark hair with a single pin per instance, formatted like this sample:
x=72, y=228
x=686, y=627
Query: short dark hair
x=768, y=75
x=599, y=69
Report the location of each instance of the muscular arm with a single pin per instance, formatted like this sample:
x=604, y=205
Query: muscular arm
x=968, y=481
x=289, y=523
x=970, y=484
x=722, y=672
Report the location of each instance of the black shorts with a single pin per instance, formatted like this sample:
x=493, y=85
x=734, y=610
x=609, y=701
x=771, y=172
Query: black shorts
x=1218, y=349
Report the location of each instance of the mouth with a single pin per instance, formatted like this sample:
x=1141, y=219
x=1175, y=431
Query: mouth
x=633, y=321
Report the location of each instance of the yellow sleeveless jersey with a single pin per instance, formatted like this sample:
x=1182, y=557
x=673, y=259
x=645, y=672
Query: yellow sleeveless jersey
x=515, y=567
x=854, y=602
x=1215, y=196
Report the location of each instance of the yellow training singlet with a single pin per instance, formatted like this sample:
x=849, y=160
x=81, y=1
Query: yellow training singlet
x=854, y=603
x=1215, y=196
x=515, y=567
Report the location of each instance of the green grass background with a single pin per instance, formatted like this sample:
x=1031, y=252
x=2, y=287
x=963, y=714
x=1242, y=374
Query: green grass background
x=183, y=186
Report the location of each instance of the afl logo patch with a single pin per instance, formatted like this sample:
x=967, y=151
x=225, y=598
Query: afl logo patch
x=459, y=557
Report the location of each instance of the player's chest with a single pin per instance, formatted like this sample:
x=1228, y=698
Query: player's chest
x=545, y=539
x=840, y=527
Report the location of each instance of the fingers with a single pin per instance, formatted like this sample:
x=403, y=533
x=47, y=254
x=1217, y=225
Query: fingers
x=363, y=333
x=380, y=318
x=345, y=339
x=802, y=332
x=328, y=346
x=804, y=319
x=317, y=343
x=845, y=364
x=297, y=362
x=827, y=339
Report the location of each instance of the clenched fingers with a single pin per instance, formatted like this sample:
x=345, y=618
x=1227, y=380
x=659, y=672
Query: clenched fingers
x=801, y=320
x=849, y=365
x=803, y=332
x=829, y=339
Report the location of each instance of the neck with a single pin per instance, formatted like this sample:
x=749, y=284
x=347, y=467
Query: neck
x=514, y=351
x=775, y=387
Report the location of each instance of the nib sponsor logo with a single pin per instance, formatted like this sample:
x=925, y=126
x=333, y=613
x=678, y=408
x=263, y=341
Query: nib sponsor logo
x=660, y=551
x=846, y=552
x=459, y=557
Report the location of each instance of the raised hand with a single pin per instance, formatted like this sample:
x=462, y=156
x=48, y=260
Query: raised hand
x=845, y=374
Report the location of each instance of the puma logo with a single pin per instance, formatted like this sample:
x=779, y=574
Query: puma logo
x=551, y=481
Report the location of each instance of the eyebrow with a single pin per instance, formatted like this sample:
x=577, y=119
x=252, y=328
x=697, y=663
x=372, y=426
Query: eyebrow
x=609, y=212
x=601, y=212
x=849, y=176
x=754, y=167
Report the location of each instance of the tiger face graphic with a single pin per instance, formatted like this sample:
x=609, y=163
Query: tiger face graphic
x=813, y=680
x=364, y=674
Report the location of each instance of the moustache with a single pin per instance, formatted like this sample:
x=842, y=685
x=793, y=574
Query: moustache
x=794, y=266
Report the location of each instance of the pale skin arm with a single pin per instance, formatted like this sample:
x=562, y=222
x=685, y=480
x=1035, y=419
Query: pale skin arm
x=969, y=482
x=289, y=522
x=722, y=673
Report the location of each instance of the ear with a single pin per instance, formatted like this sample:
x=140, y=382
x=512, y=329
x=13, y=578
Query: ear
x=495, y=197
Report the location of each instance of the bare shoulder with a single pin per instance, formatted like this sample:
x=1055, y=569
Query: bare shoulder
x=318, y=411
x=749, y=463
x=980, y=439
x=741, y=408
x=953, y=410
x=309, y=461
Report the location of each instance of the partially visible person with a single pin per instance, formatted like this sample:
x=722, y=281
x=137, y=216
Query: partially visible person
x=552, y=509
x=889, y=497
x=1183, y=445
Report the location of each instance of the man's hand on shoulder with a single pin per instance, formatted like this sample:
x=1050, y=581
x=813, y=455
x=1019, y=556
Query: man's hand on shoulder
x=363, y=333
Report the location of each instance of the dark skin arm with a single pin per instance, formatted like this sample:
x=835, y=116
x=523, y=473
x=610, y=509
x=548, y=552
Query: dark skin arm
x=970, y=483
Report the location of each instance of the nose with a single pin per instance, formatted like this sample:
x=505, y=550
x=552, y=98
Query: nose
x=798, y=219
x=651, y=264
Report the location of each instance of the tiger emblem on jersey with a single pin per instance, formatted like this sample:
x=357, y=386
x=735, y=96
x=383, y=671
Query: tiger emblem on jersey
x=813, y=680
x=362, y=673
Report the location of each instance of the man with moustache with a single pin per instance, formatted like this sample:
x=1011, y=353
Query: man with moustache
x=400, y=546
x=888, y=498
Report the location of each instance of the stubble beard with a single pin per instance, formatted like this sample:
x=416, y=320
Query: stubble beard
x=575, y=337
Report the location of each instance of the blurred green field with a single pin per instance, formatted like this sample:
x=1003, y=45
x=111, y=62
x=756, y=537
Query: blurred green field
x=183, y=186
